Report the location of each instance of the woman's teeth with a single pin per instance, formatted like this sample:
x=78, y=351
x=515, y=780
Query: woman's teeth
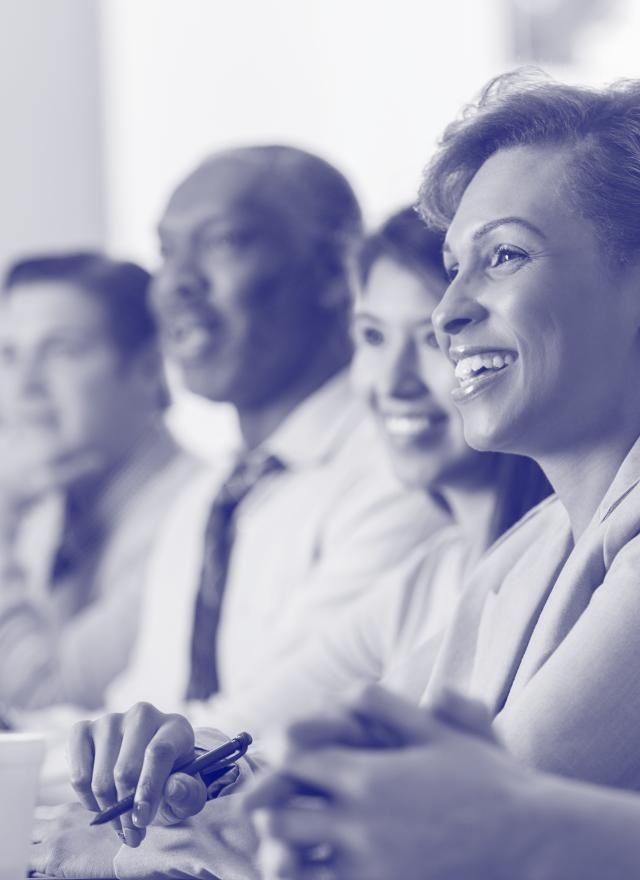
x=409, y=427
x=468, y=368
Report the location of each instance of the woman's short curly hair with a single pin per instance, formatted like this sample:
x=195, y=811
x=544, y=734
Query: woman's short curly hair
x=600, y=128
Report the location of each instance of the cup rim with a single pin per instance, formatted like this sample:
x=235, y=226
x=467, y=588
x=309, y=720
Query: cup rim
x=20, y=736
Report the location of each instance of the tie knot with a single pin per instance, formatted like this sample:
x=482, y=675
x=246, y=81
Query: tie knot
x=247, y=472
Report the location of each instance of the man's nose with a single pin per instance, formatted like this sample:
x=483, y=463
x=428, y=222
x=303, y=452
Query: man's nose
x=457, y=309
x=179, y=283
x=31, y=377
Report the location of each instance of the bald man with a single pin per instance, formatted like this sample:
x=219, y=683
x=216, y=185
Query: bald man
x=253, y=303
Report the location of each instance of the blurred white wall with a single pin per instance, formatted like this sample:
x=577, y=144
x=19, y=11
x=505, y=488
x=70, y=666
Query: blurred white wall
x=367, y=83
x=106, y=104
x=51, y=180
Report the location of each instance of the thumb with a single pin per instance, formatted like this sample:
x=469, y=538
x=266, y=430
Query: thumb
x=463, y=713
x=183, y=796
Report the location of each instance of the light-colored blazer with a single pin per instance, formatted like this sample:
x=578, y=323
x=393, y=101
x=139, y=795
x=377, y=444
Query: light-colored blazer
x=548, y=635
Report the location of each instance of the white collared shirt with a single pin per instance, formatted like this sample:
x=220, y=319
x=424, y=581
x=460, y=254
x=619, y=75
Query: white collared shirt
x=308, y=542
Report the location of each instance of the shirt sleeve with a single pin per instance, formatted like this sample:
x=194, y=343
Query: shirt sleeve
x=579, y=714
x=47, y=662
x=362, y=646
x=366, y=543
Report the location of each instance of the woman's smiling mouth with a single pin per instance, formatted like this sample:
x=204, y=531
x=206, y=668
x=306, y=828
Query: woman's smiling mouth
x=405, y=430
x=475, y=370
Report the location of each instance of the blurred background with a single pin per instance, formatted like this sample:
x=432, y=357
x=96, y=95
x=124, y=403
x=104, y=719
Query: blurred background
x=106, y=104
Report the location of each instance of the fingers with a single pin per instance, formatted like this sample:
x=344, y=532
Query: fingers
x=374, y=717
x=81, y=755
x=346, y=729
x=390, y=720
x=118, y=755
x=280, y=860
x=330, y=775
x=140, y=725
x=303, y=826
x=107, y=739
x=173, y=743
x=464, y=713
x=272, y=789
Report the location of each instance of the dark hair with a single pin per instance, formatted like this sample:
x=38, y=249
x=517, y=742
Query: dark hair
x=405, y=239
x=600, y=129
x=519, y=482
x=120, y=287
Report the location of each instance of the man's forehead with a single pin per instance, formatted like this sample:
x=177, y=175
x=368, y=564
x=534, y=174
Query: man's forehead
x=225, y=188
x=51, y=307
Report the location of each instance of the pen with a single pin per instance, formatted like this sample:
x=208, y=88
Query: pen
x=215, y=763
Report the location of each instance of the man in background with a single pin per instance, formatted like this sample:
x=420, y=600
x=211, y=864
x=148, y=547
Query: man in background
x=86, y=472
x=253, y=300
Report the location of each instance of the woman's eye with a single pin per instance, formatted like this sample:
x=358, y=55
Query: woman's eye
x=506, y=254
x=371, y=336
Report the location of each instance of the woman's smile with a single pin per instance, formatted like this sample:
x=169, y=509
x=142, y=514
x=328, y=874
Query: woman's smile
x=477, y=369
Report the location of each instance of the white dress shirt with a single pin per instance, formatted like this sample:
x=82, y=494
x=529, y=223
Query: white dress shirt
x=66, y=643
x=375, y=637
x=308, y=542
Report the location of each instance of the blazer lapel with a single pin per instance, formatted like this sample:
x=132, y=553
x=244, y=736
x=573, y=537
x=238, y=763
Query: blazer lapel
x=510, y=615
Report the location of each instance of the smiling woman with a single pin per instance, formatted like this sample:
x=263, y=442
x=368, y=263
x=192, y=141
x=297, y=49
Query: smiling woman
x=538, y=188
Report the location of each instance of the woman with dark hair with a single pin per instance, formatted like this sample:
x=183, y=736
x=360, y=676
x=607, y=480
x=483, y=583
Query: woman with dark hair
x=538, y=189
x=405, y=257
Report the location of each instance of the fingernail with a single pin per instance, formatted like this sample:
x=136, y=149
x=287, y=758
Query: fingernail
x=178, y=791
x=132, y=838
x=141, y=814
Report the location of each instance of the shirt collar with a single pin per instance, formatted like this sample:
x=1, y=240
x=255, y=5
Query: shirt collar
x=113, y=490
x=313, y=430
x=627, y=477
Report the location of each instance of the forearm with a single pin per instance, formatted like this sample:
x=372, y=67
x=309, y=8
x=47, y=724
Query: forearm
x=570, y=829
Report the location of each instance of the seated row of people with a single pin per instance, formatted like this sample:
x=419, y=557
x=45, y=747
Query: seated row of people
x=541, y=319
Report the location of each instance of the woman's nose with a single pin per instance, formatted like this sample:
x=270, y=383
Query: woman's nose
x=402, y=376
x=457, y=310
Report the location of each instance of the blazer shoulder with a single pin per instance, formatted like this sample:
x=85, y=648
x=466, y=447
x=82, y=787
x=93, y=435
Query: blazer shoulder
x=621, y=524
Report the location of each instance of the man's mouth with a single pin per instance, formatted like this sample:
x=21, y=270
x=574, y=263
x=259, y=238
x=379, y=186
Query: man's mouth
x=190, y=336
x=476, y=371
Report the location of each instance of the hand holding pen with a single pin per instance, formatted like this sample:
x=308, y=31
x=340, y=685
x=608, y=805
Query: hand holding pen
x=136, y=752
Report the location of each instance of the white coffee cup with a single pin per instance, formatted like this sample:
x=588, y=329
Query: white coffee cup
x=21, y=756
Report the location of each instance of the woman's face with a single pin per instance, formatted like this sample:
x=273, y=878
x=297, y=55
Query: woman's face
x=406, y=380
x=542, y=329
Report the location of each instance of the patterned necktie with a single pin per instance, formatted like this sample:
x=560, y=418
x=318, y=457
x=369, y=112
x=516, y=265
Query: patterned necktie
x=203, y=680
x=78, y=542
